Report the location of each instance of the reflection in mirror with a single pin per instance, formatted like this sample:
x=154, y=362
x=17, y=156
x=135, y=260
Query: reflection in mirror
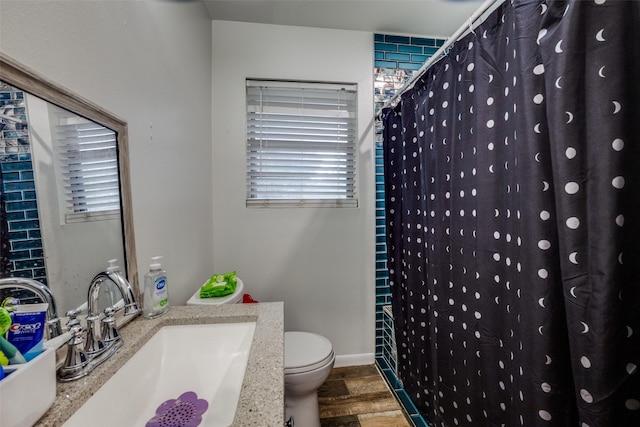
x=65, y=199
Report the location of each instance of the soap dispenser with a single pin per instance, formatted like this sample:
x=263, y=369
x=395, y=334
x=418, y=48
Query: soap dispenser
x=156, y=293
x=110, y=292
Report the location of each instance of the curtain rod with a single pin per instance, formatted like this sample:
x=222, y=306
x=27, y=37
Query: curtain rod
x=467, y=26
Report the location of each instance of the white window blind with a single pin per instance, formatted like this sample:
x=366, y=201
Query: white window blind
x=87, y=158
x=301, y=144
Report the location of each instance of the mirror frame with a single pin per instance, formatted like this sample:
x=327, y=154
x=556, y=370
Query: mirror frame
x=23, y=77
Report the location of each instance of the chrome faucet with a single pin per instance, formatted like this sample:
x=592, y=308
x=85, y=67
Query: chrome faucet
x=44, y=293
x=128, y=295
x=100, y=343
x=95, y=343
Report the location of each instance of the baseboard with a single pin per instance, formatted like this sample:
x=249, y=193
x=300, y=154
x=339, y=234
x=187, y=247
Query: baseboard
x=355, y=360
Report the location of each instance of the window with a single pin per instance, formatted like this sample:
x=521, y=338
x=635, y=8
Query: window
x=301, y=144
x=87, y=168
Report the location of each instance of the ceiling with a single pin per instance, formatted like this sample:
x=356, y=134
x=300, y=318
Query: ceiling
x=408, y=17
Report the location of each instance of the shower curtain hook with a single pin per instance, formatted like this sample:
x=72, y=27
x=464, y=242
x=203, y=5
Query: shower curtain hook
x=471, y=27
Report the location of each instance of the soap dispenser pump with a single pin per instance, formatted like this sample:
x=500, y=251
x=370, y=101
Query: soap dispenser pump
x=156, y=293
x=113, y=267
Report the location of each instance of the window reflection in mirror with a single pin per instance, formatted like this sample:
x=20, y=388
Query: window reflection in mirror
x=60, y=197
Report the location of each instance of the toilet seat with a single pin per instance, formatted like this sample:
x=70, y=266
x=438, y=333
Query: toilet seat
x=306, y=351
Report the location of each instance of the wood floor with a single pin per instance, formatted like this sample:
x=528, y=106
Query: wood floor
x=358, y=396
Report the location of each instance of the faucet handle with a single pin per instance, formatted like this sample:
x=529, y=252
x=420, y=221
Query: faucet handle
x=76, y=358
x=110, y=333
x=73, y=313
x=73, y=321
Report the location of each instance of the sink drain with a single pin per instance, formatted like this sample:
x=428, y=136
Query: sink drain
x=185, y=411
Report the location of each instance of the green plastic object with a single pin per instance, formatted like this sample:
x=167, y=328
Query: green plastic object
x=219, y=285
x=9, y=354
x=5, y=320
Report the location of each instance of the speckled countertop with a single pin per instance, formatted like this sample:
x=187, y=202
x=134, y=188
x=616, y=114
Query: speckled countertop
x=261, y=400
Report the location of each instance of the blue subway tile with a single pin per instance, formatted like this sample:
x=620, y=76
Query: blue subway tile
x=28, y=274
x=419, y=58
x=379, y=55
x=386, y=47
x=397, y=39
x=11, y=134
x=407, y=402
x=21, y=206
x=19, y=255
x=385, y=64
x=409, y=49
x=378, y=37
x=26, y=175
x=26, y=244
x=418, y=421
x=16, y=166
x=430, y=51
x=31, y=263
x=15, y=216
x=423, y=41
x=18, y=186
x=18, y=235
x=397, y=56
x=12, y=197
x=23, y=225
x=40, y=274
x=32, y=214
x=28, y=195
x=409, y=66
x=37, y=253
x=11, y=176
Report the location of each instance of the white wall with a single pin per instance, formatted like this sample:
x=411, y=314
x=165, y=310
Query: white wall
x=148, y=62
x=320, y=262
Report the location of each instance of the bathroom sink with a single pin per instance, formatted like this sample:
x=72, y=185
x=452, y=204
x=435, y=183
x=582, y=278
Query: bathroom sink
x=197, y=368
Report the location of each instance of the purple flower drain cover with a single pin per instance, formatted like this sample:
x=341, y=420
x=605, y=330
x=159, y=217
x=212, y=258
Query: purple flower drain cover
x=185, y=411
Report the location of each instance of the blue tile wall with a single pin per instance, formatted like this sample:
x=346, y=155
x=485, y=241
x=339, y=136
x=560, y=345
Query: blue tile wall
x=389, y=50
x=396, y=59
x=26, y=253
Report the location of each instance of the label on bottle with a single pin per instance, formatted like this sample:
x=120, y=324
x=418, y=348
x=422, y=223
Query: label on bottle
x=162, y=297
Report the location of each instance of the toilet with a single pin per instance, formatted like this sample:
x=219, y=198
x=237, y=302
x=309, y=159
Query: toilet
x=308, y=360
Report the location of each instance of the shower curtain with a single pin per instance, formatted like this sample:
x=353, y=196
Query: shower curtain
x=512, y=175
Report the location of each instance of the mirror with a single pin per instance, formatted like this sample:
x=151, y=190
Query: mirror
x=61, y=223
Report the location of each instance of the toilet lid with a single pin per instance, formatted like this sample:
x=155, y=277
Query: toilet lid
x=305, y=351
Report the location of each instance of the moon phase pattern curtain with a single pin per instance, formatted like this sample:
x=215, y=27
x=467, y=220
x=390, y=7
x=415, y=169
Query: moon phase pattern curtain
x=512, y=175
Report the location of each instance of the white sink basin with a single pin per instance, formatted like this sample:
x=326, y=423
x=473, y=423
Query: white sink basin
x=209, y=360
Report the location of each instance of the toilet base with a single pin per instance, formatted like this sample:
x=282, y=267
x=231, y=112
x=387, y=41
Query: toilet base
x=304, y=409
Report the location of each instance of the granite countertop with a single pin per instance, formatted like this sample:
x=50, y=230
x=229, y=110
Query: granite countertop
x=262, y=396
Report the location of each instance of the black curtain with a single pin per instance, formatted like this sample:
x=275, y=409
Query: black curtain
x=512, y=175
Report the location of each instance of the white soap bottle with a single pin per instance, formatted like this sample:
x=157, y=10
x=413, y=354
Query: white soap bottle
x=156, y=292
